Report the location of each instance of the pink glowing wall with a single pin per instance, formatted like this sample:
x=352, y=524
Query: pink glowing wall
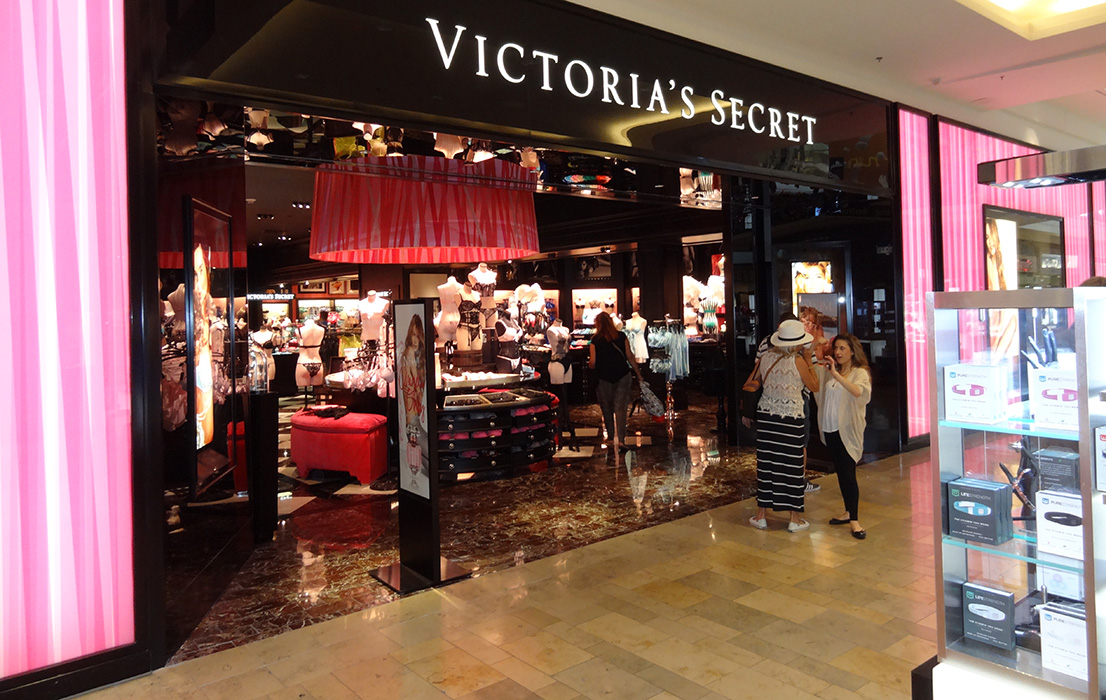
x=66, y=564
x=962, y=201
x=917, y=242
x=1099, y=212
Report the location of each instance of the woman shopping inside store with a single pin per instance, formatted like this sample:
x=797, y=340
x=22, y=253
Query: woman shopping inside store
x=846, y=388
x=613, y=360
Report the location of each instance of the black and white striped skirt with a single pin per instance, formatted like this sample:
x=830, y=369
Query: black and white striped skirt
x=780, y=482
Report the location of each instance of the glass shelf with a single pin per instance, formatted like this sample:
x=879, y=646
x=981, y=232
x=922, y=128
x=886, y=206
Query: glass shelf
x=1017, y=423
x=1016, y=548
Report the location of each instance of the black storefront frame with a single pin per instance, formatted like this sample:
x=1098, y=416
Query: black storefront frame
x=145, y=50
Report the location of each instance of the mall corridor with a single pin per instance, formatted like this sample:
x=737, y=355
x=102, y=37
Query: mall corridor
x=700, y=608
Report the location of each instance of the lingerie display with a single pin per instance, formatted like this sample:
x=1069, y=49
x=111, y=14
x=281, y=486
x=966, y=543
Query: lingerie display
x=470, y=317
x=710, y=318
x=672, y=358
x=313, y=368
x=483, y=281
x=509, y=357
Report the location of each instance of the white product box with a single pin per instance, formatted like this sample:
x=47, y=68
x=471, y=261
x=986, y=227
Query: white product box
x=1060, y=582
x=1063, y=642
x=1099, y=457
x=1054, y=397
x=1060, y=524
x=975, y=393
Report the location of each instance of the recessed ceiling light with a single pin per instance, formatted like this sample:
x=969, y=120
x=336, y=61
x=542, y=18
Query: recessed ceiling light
x=1038, y=19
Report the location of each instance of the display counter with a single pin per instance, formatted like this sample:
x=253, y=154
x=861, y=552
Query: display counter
x=492, y=432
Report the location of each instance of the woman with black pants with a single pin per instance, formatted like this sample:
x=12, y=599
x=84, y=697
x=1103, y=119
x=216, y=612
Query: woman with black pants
x=843, y=395
x=611, y=358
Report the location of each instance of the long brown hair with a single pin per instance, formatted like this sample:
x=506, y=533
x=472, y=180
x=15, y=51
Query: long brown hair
x=859, y=358
x=604, y=327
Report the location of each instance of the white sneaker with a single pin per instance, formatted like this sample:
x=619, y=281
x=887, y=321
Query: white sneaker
x=759, y=523
x=797, y=527
x=811, y=487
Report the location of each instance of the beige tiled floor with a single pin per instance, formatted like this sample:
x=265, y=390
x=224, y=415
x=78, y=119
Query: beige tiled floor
x=701, y=608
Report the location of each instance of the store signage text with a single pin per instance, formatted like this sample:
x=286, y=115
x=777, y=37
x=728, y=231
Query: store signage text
x=510, y=62
x=270, y=297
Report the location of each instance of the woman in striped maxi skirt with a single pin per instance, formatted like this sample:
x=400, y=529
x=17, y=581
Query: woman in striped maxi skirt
x=781, y=425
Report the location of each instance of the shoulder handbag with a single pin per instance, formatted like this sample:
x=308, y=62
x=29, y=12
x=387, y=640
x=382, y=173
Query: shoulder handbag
x=752, y=389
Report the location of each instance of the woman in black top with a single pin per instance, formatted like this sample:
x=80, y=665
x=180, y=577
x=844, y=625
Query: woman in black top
x=612, y=360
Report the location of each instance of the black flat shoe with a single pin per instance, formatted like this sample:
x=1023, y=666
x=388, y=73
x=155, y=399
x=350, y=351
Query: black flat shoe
x=859, y=534
x=839, y=521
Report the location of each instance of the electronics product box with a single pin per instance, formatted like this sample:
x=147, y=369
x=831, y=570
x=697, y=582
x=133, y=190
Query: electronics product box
x=975, y=393
x=1064, y=639
x=1060, y=524
x=1054, y=397
x=988, y=615
x=1057, y=469
x=1062, y=582
x=1099, y=447
x=980, y=510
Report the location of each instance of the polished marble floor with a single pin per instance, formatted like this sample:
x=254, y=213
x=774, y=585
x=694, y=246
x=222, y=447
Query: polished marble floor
x=699, y=608
x=319, y=565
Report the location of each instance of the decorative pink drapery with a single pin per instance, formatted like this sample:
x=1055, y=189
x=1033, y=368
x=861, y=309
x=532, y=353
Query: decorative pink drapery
x=423, y=210
x=66, y=560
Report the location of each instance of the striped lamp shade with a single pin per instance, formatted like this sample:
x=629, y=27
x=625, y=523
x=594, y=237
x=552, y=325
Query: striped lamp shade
x=423, y=210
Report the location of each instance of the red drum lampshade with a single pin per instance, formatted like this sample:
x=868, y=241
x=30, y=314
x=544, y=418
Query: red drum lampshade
x=422, y=210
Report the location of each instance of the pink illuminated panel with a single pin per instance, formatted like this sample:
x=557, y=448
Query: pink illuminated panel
x=66, y=561
x=962, y=200
x=1099, y=211
x=918, y=265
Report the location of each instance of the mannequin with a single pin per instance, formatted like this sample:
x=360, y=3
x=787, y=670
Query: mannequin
x=635, y=332
x=560, y=370
x=469, y=336
x=483, y=280
x=373, y=310
x=713, y=296
x=309, y=367
x=508, y=334
x=591, y=312
x=178, y=320
x=449, y=293
x=265, y=339
x=617, y=320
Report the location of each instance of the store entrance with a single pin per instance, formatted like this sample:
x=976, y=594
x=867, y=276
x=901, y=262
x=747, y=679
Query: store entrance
x=647, y=244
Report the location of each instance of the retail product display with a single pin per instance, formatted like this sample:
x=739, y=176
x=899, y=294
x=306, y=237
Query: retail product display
x=635, y=333
x=495, y=432
x=1023, y=564
x=988, y=615
x=1057, y=469
x=1064, y=638
x=448, y=319
x=1053, y=397
x=373, y=310
x=980, y=510
x=974, y=393
x=1060, y=523
x=309, y=367
x=469, y=336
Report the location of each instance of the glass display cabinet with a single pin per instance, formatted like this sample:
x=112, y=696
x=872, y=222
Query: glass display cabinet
x=1019, y=444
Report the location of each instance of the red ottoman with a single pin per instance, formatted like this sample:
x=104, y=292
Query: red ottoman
x=356, y=443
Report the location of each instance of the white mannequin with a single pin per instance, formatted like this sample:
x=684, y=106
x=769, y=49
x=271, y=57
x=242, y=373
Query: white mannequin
x=265, y=339
x=483, y=280
x=176, y=303
x=469, y=336
x=449, y=293
x=558, y=337
x=635, y=331
x=309, y=366
x=617, y=320
x=372, y=310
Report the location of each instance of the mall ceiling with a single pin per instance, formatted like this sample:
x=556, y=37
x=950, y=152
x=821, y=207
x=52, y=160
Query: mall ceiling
x=937, y=55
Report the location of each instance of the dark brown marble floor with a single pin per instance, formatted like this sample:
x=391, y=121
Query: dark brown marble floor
x=319, y=564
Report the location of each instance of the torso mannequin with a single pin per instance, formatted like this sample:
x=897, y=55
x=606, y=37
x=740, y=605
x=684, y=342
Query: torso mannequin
x=264, y=338
x=469, y=336
x=635, y=332
x=373, y=309
x=483, y=280
x=508, y=334
x=559, y=368
x=176, y=302
x=309, y=367
x=449, y=293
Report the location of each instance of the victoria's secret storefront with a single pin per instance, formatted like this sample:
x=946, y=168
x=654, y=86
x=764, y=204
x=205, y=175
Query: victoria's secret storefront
x=535, y=72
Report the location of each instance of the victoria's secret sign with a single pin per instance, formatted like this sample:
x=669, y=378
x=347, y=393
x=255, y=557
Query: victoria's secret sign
x=516, y=64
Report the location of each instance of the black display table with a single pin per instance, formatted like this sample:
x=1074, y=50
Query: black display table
x=496, y=433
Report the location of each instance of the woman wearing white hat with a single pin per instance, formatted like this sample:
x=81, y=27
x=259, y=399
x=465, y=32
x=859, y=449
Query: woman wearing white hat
x=781, y=425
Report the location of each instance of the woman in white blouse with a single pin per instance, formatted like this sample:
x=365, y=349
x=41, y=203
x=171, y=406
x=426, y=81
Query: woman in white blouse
x=845, y=388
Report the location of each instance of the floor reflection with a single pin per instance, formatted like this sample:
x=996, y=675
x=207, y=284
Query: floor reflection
x=318, y=566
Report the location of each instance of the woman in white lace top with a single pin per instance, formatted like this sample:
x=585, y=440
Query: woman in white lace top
x=781, y=424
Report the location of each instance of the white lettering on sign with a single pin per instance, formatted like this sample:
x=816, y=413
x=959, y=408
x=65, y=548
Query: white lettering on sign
x=514, y=65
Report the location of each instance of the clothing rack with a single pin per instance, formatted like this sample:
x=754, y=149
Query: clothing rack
x=671, y=325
